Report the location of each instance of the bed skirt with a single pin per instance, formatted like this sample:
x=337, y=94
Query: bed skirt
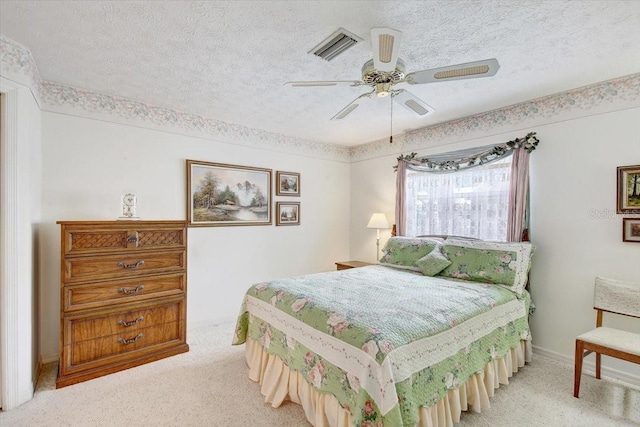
x=279, y=383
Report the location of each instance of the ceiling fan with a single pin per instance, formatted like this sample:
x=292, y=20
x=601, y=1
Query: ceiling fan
x=386, y=70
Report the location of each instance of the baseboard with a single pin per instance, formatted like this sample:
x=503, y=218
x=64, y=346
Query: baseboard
x=588, y=366
x=36, y=374
x=48, y=358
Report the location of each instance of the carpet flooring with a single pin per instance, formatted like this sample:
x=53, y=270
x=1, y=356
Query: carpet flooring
x=208, y=386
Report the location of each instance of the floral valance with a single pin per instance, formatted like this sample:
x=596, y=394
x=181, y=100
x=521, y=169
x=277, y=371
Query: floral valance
x=468, y=158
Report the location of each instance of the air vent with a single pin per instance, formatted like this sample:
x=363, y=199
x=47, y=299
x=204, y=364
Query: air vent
x=335, y=44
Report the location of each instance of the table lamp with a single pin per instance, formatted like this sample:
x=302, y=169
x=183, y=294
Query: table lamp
x=379, y=222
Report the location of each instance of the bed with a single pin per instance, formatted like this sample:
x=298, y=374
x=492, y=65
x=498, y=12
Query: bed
x=403, y=343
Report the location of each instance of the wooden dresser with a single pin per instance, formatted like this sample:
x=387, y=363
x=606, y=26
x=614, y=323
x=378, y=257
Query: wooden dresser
x=123, y=288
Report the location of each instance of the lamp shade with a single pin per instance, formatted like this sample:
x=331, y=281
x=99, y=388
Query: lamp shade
x=379, y=221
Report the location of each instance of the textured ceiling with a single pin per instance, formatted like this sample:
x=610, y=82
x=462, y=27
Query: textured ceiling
x=228, y=60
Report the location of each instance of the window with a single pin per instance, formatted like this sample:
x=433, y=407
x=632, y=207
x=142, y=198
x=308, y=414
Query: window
x=472, y=203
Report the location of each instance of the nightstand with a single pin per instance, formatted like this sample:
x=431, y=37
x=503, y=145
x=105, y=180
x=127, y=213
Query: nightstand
x=343, y=265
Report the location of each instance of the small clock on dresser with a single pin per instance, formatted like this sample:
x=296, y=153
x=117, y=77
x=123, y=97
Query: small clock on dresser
x=129, y=206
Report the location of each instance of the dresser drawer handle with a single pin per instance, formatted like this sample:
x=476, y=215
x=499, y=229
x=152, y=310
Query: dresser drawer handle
x=130, y=341
x=132, y=239
x=130, y=291
x=136, y=265
x=133, y=322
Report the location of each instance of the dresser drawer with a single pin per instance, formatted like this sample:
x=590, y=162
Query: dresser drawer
x=83, y=269
x=100, y=353
x=122, y=237
x=121, y=324
x=125, y=342
x=94, y=342
x=80, y=297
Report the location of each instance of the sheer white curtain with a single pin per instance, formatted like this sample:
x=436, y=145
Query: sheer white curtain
x=472, y=202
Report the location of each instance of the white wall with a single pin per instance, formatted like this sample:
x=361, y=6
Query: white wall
x=573, y=223
x=88, y=165
x=20, y=215
x=573, y=185
x=372, y=190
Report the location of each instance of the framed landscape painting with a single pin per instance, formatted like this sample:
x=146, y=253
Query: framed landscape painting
x=219, y=194
x=288, y=213
x=287, y=183
x=628, y=189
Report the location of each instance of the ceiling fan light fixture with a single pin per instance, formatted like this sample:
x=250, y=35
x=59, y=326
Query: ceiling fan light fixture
x=335, y=44
x=470, y=71
x=383, y=90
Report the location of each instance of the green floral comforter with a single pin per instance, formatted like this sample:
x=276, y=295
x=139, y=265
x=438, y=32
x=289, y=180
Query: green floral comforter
x=383, y=341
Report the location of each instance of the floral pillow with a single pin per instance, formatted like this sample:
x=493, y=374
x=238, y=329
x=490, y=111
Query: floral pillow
x=504, y=264
x=434, y=262
x=403, y=252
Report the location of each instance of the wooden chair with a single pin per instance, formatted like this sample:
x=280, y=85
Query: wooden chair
x=613, y=296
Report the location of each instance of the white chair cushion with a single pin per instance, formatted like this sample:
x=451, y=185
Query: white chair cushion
x=617, y=296
x=616, y=339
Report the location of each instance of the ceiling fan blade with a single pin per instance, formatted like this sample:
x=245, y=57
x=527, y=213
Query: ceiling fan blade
x=324, y=83
x=470, y=70
x=385, y=43
x=413, y=103
x=352, y=106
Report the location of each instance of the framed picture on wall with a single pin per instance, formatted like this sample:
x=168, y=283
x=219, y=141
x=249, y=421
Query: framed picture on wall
x=628, y=189
x=631, y=230
x=287, y=183
x=219, y=194
x=287, y=213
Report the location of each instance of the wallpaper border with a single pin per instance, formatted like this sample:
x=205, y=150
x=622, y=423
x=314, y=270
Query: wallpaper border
x=612, y=95
x=18, y=64
x=65, y=99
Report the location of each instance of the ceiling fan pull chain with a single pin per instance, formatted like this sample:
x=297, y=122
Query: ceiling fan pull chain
x=391, y=122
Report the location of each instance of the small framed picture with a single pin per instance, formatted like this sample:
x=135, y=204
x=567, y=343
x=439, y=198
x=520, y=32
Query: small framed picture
x=628, y=190
x=631, y=230
x=287, y=184
x=287, y=213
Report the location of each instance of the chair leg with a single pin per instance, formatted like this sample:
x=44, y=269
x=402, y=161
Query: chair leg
x=578, y=367
x=598, y=365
